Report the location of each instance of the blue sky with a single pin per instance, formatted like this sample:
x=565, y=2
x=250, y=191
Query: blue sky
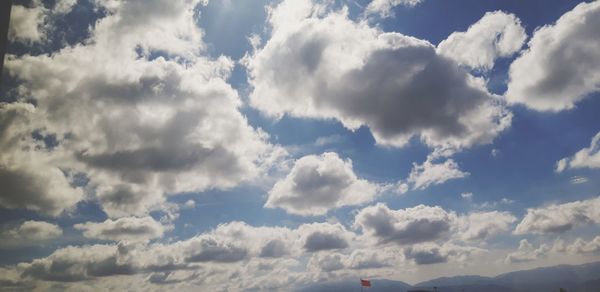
x=332, y=133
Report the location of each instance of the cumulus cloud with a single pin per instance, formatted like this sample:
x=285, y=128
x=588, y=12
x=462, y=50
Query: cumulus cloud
x=479, y=226
x=215, y=251
x=384, y=7
x=123, y=229
x=580, y=246
x=317, y=184
x=584, y=158
x=430, y=173
x=324, y=236
x=396, y=85
x=497, y=34
x=527, y=252
x=560, y=66
x=558, y=218
x=31, y=25
x=31, y=176
x=431, y=253
x=26, y=23
x=405, y=226
x=28, y=233
x=149, y=116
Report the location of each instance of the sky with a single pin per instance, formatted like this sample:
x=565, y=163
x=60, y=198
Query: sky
x=271, y=144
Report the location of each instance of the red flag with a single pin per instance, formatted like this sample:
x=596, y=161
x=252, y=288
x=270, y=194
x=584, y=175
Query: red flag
x=365, y=283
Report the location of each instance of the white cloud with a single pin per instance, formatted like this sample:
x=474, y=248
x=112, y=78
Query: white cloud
x=527, y=253
x=558, y=218
x=580, y=246
x=26, y=24
x=394, y=84
x=479, y=226
x=190, y=204
x=405, y=226
x=384, y=7
x=137, y=126
x=206, y=255
x=29, y=233
x=431, y=173
x=584, y=158
x=31, y=25
x=123, y=229
x=327, y=140
x=560, y=66
x=466, y=196
x=317, y=184
x=497, y=34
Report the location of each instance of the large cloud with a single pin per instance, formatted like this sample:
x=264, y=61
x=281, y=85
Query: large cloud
x=217, y=250
x=558, y=218
x=149, y=115
x=126, y=229
x=584, y=158
x=28, y=233
x=405, y=226
x=561, y=65
x=317, y=184
x=396, y=85
x=496, y=34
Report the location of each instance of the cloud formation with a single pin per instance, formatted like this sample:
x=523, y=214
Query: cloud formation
x=317, y=184
x=430, y=173
x=31, y=24
x=123, y=229
x=396, y=85
x=584, y=158
x=29, y=233
x=405, y=226
x=31, y=175
x=560, y=66
x=480, y=226
x=431, y=253
x=558, y=218
x=150, y=115
x=384, y=7
x=497, y=34
x=527, y=252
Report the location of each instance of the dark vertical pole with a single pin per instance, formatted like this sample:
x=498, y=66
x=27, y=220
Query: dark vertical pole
x=5, y=6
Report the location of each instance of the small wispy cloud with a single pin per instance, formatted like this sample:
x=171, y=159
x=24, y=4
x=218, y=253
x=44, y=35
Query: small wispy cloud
x=578, y=180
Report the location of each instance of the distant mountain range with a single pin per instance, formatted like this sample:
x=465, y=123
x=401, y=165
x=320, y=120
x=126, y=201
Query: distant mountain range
x=579, y=278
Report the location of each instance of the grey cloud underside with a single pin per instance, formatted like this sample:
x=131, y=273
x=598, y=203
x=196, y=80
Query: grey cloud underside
x=431, y=99
x=406, y=226
x=316, y=186
x=425, y=257
x=274, y=249
x=318, y=241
